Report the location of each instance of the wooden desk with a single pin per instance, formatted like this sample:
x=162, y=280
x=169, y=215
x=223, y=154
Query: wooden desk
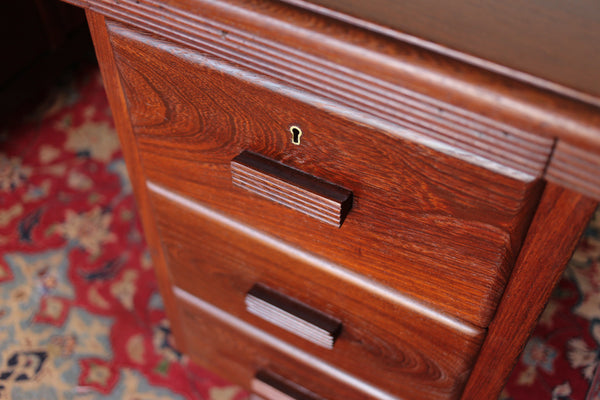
x=338, y=209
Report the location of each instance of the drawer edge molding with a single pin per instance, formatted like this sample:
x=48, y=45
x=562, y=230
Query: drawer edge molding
x=386, y=292
x=518, y=123
x=574, y=168
x=295, y=189
x=498, y=152
x=283, y=347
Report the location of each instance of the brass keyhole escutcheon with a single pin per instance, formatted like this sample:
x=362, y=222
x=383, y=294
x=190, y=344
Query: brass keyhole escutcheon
x=296, y=133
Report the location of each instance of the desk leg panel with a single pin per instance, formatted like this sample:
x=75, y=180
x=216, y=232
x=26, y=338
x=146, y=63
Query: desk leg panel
x=118, y=105
x=559, y=221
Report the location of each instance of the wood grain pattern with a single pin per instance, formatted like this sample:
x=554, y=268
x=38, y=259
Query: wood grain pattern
x=380, y=58
x=556, y=227
x=238, y=350
x=554, y=44
x=575, y=168
x=120, y=114
x=450, y=229
x=410, y=353
x=392, y=108
x=320, y=263
x=292, y=315
x=295, y=189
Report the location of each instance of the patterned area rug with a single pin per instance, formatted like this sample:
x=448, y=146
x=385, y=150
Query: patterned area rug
x=80, y=315
x=561, y=357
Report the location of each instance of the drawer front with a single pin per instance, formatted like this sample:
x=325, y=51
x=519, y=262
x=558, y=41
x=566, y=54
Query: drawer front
x=228, y=265
x=434, y=227
x=243, y=353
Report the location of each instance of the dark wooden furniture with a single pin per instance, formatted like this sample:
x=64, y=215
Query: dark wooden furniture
x=339, y=210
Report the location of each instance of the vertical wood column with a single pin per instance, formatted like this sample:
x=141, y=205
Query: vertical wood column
x=558, y=223
x=118, y=106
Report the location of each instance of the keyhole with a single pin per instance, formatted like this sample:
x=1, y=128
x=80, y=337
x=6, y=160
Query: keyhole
x=296, y=133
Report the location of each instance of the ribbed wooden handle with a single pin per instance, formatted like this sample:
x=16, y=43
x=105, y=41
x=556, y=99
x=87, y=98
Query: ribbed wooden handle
x=293, y=188
x=293, y=316
x=270, y=386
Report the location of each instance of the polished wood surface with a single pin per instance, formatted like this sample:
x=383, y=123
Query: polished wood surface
x=238, y=350
x=448, y=159
x=451, y=229
x=556, y=227
x=268, y=34
x=410, y=353
x=293, y=188
x=292, y=315
x=118, y=105
x=575, y=168
x=555, y=43
x=405, y=88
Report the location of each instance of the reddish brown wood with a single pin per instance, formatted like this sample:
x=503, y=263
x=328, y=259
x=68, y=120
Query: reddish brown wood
x=295, y=189
x=444, y=160
x=549, y=40
x=120, y=114
x=556, y=227
x=237, y=350
x=451, y=229
x=378, y=62
x=292, y=315
x=575, y=168
x=411, y=351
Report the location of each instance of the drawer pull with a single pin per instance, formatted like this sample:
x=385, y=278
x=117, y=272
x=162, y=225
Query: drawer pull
x=292, y=188
x=271, y=386
x=293, y=316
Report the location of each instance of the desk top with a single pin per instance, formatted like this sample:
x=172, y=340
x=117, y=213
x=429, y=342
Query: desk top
x=538, y=40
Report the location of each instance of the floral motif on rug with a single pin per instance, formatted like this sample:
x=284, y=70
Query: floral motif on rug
x=80, y=315
x=561, y=358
